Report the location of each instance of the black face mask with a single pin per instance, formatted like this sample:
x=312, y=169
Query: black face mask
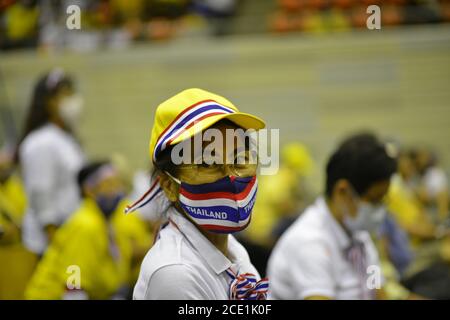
x=108, y=204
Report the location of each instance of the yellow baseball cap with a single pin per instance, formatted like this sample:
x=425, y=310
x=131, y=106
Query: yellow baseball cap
x=192, y=111
x=179, y=118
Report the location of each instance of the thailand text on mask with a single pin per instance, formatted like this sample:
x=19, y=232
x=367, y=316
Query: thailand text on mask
x=223, y=206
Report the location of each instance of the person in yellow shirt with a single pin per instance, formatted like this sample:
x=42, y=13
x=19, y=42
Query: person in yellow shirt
x=12, y=197
x=92, y=255
x=403, y=203
x=20, y=24
x=18, y=262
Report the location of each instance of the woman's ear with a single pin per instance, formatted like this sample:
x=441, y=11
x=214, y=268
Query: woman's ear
x=169, y=187
x=342, y=188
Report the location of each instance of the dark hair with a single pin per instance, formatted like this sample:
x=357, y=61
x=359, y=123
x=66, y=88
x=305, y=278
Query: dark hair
x=164, y=162
x=362, y=160
x=87, y=171
x=360, y=138
x=47, y=87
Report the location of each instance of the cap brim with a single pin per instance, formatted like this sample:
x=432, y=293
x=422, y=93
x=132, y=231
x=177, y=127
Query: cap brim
x=243, y=120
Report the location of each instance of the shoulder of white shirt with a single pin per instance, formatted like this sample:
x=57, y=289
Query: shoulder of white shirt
x=48, y=137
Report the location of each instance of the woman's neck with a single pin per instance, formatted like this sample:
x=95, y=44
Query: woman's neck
x=219, y=240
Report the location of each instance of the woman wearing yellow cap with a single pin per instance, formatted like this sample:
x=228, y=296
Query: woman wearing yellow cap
x=202, y=202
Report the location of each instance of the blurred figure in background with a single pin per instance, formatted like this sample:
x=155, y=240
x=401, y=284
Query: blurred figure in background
x=404, y=204
x=19, y=24
x=409, y=202
x=391, y=241
x=219, y=13
x=326, y=252
x=163, y=17
x=99, y=239
x=17, y=262
x=281, y=197
x=50, y=157
x=434, y=188
x=12, y=199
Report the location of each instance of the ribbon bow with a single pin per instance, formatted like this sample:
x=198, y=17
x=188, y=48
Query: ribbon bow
x=246, y=287
x=356, y=254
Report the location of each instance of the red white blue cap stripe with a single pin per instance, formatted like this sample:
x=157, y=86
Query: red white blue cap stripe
x=191, y=115
x=151, y=193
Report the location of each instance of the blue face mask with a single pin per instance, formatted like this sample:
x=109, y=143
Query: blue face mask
x=108, y=204
x=223, y=206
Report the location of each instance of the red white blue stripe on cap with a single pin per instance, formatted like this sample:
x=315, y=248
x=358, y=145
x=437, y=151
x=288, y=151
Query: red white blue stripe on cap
x=151, y=193
x=185, y=120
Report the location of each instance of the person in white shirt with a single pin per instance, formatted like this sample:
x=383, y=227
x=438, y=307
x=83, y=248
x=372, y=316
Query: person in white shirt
x=50, y=158
x=202, y=202
x=328, y=252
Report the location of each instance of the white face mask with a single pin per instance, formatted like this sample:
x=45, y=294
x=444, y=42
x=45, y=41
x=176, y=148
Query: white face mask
x=368, y=217
x=70, y=110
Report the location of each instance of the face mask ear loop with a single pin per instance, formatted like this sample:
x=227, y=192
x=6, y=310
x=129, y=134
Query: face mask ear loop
x=173, y=178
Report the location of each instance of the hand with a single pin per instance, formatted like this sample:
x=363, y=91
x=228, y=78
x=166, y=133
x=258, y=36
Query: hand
x=50, y=230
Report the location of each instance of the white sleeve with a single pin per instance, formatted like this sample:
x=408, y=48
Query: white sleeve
x=39, y=167
x=312, y=271
x=436, y=182
x=176, y=282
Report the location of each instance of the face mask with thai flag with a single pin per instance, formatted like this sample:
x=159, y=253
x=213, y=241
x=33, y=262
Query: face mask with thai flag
x=223, y=206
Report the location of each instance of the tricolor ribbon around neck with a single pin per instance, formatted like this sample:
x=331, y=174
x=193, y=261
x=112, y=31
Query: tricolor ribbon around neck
x=356, y=255
x=246, y=287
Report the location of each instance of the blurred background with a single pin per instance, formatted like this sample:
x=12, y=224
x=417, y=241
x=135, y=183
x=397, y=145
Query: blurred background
x=310, y=68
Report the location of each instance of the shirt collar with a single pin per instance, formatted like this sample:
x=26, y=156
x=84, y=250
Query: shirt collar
x=213, y=257
x=342, y=238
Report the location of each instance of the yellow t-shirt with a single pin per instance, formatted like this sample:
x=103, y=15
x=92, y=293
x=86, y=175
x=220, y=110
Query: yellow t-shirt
x=82, y=247
x=402, y=203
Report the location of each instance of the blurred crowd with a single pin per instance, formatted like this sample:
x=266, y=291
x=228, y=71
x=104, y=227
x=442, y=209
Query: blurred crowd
x=62, y=222
x=42, y=24
x=117, y=23
x=337, y=15
x=61, y=212
x=413, y=241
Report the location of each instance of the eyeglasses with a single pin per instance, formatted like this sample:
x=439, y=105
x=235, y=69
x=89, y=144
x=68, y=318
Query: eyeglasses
x=244, y=164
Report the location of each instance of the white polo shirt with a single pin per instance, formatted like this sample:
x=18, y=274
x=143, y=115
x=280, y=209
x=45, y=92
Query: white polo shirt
x=50, y=159
x=309, y=259
x=184, y=264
